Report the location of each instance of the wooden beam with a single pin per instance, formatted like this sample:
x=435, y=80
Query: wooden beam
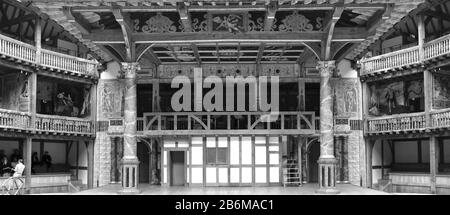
x=18, y=20
x=230, y=8
x=112, y=55
x=329, y=30
x=272, y=8
x=341, y=34
x=260, y=53
x=184, y=16
x=379, y=17
x=77, y=20
x=437, y=15
x=196, y=54
x=125, y=23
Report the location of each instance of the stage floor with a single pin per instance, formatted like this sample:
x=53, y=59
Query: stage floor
x=306, y=189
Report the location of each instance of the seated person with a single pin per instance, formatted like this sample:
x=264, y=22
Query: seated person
x=18, y=170
x=5, y=167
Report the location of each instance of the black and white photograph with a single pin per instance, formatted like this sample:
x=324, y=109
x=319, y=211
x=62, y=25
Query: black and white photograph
x=242, y=100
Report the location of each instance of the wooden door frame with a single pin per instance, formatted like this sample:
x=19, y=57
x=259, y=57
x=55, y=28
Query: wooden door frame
x=169, y=166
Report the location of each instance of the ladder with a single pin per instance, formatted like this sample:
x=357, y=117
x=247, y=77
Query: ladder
x=291, y=173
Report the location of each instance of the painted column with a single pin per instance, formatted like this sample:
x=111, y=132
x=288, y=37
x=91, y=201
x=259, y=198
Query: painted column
x=327, y=162
x=130, y=162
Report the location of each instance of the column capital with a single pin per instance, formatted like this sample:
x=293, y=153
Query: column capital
x=128, y=69
x=326, y=67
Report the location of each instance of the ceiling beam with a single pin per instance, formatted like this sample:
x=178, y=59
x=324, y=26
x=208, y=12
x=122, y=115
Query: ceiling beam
x=77, y=20
x=230, y=8
x=18, y=20
x=270, y=15
x=329, y=32
x=125, y=24
x=108, y=52
x=340, y=35
x=184, y=16
x=379, y=17
x=436, y=14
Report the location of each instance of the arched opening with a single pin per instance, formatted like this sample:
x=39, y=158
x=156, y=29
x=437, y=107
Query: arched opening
x=143, y=153
x=313, y=156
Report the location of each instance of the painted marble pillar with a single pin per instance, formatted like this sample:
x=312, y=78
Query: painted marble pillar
x=130, y=162
x=327, y=162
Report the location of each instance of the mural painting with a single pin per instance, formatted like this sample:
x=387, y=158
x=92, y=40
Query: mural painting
x=396, y=97
x=111, y=103
x=441, y=93
x=346, y=92
x=15, y=92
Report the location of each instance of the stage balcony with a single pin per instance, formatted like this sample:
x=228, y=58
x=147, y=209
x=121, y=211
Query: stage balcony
x=439, y=120
x=223, y=123
x=17, y=121
x=28, y=55
x=406, y=59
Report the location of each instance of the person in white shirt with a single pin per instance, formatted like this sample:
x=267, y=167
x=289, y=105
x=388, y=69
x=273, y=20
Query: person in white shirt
x=18, y=170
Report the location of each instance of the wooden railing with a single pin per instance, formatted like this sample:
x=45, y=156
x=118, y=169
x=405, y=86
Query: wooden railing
x=397, y=123
x=17, y=120
x=61, y=124
x=409, y=122
x=49, y=59
x=17, y=49
x=170, y=123
x=440, y=118
x=10, y=119
x=437, y=47
x=410, y=56
x=59, y=61
x=391, y=60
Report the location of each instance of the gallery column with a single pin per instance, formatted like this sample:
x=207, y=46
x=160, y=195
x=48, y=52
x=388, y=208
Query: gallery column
x=130, y=162
x=327, y=162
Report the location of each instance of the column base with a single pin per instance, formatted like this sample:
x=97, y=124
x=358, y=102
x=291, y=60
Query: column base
x=327, y=176
x=130, y=177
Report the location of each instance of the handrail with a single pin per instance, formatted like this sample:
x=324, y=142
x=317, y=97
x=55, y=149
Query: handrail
x=400, y=122
x=409, y=56
x=391, y=60
x=64, y=124
x=289, y=120
x=51, y=59
x=17, y=49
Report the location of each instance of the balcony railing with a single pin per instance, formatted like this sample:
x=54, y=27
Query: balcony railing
x=61, y=124
x=20, y=51
x=397, y=123
x=440, y=119
x=390, y=61
x=172, y=123
x=16, y=120
x=406, y=57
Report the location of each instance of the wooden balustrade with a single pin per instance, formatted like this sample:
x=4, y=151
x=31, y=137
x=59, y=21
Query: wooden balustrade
x=61, y=124
x=140, y=124
x=59, y=61
x=440, y=118
x=437, y=47
x=16, y=49
x=397, y=59
x=396, y=123
x=410, y=56
x=10, y=119
x=11, y=48
x=215, y=122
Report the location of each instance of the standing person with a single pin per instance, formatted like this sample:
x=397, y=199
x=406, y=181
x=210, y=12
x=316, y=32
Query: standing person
x=47, y=160
x=5, y=168
x=34, y=161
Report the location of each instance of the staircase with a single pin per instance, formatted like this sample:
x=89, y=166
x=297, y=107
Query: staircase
x=291, y=173
x=76, y=185
x=384, y=185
